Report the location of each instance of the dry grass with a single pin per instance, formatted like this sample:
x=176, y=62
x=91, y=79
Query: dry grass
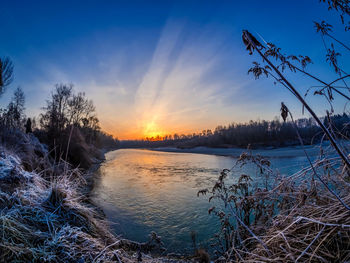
x=310, y=224
x=44, y=217
x=270, y=217
x=47, y=221
x=314, y=232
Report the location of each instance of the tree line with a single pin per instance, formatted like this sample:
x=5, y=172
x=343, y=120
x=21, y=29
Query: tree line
x=68, y=124
x=263, y=133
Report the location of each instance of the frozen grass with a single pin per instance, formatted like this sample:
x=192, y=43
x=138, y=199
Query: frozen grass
x=45, y=218
x=300, y=218
x=318, y=232
x=316, y=227
x=48, y=221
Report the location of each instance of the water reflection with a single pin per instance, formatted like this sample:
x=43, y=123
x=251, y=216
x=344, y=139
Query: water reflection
x=143, y=191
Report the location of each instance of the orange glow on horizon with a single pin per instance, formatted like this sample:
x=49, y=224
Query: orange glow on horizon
x=149, y=130
x=152, y=130
x=153, y=133
x=153, y=125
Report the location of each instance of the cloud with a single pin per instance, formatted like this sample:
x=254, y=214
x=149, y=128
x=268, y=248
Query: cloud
x=179, y=86
x=183, y=83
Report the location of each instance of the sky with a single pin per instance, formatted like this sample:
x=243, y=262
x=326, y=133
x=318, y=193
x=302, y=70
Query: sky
x=159, y=67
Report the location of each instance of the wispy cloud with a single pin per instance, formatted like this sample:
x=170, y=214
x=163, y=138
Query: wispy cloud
x=179, y=88
x=179, y=85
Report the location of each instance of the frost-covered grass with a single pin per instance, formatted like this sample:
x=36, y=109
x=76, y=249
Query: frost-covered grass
x=48, y=221
x=46, y=218
x=273, y=218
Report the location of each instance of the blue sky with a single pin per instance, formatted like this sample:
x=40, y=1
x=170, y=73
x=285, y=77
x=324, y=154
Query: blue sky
x=162, y=66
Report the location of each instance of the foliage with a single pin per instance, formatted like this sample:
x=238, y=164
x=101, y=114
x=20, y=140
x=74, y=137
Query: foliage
x=271, y=51
x=244, y=205
x=13, y=116
x=28, y=126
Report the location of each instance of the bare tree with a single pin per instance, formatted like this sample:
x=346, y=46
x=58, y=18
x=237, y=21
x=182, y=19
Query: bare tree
x=80, y=108
x=54, y=119
x=6, y=73
x=15, y=110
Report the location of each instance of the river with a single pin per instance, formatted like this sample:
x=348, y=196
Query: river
x=142, y=191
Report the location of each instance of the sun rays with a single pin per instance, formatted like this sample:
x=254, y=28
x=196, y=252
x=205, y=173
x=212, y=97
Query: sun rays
x=178, y=87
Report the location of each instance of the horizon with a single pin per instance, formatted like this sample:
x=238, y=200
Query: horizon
x=166, y=68
x=158, y=137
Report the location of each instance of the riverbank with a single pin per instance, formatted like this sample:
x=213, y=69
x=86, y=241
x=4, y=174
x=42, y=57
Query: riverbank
x=47, y=215
x=283, y=152
x=142, y=190
x=131, y=251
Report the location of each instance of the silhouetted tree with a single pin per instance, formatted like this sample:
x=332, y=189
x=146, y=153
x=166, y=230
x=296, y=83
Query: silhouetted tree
x=28, y=126
x=71, y=128
x=254, y=133
x=66, y=108
x=15, y=110
x=6, y=73
x=80, y=109
x=55, y=117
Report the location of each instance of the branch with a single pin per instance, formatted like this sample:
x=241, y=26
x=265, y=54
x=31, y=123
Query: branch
x=247, y=36
x=313, y=241
x=327, y=85
x=299, y=218
x=312, y=166
x=341, y=43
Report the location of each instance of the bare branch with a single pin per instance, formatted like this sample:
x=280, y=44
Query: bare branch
x=246, y=36
x=6, y=73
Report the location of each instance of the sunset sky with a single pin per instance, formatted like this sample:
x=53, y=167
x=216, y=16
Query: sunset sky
x=157, y=67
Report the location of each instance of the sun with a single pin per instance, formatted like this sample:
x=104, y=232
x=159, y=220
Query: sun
x=152, y=130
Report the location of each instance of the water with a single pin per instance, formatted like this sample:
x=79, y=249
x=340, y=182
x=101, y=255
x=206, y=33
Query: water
x=142, y=191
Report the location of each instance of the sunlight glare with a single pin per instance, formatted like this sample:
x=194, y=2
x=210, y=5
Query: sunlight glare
x=152, y=130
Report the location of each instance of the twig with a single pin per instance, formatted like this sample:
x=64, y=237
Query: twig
x=341, y=43
x=116, y=254
x=250, y=231
x=311, y=243
x=103, y=250
x=70, y=136
x=326, y=85
x=299, y=218
x=280, y=232
x=247, y=35
x=312, y=166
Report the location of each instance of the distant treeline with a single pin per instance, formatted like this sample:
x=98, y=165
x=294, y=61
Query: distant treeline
x=254, y=133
